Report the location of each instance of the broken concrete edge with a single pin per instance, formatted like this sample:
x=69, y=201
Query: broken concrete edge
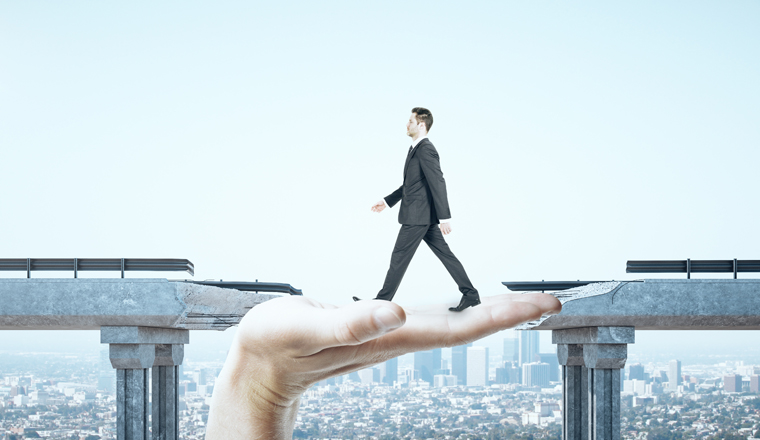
x=564, y=296
x=224, y=307
x=661, y=304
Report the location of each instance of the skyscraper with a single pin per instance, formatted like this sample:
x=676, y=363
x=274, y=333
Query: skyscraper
x=732, y=383
x=528, y=346
x=369, y=375
x=459, y=363
x=511, y=350
x=426, y=363
x=391, y=371
x=509, y=372
x=477, y=366
x=636, y=371
x=535, y=374
x=674, y=375
x=552, y=361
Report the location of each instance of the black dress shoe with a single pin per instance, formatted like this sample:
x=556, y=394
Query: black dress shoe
x=464, y=303
x=356, y=298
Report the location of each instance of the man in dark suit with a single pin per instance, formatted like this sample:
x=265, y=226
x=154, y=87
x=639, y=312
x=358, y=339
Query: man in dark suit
x=424, y=205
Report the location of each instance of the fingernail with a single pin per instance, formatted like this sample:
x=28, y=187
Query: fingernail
x=386, y=320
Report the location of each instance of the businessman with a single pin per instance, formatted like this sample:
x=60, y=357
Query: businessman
x=424, y=206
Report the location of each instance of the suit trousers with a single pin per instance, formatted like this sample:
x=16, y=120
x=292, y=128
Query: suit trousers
x=409, y=238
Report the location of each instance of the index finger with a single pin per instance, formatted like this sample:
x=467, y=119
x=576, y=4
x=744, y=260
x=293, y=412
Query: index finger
x=426, y=329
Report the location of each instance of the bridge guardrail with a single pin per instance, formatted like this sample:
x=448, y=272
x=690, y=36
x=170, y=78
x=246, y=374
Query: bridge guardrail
x=690, y=266
x=96, y=264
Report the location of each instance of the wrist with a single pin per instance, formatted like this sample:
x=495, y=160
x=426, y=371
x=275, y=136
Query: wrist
x=247, y=404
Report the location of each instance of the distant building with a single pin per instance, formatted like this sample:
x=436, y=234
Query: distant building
x=747, y=370
x=511, y=351
x=39, y=397
x=732, y=383
x=544, y=413
x=660, y=377
x=426, y=363
x=477, y=366
x=502, y=376
x=509, y=372
x=654, y=388
x=528, y=346
x=390, y=371
x=205, y=390
x=643, y=401
x=636, y=371
x=754, y=384
x=405, y=376
x=369, y=375
x=553, y=361
x=515, y=372
x=459, y=363
x=444, y=380
x=535, y=374
x=635, y=386
x=674, y=375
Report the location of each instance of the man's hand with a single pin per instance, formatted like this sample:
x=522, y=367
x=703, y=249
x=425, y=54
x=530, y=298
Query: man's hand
x=285, y=345
x=446, y=228
x=379, y=206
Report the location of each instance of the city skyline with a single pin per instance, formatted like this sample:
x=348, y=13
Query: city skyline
x=39, y=397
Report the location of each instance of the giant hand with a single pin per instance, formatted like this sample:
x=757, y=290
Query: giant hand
x=285, y=345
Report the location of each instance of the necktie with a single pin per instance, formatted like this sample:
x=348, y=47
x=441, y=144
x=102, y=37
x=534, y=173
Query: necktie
x=406, y=162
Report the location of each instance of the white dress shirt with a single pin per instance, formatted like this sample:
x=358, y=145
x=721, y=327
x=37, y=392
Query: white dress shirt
x=414, y=145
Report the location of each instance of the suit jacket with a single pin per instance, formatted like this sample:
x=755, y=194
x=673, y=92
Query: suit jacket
x=423, y=193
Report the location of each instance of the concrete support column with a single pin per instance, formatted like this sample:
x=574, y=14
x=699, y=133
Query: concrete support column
x=574, y=392
x=596, y=354
x=165, y=395
x=132, y=362
x=133, y=350
x=604, y=403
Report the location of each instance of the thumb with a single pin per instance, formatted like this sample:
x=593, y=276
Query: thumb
x=357, y=323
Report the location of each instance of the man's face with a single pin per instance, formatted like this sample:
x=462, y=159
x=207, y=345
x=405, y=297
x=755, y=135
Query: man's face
x=412, y=127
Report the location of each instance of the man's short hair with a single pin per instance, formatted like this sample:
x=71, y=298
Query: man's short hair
x=424, y=115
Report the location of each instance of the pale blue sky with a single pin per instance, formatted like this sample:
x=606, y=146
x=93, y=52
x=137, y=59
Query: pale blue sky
x=253, y=138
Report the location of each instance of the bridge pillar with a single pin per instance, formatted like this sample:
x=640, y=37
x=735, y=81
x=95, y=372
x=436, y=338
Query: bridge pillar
x=133, y=350
x=591, y=359
x=574, y=392
x=165, y=393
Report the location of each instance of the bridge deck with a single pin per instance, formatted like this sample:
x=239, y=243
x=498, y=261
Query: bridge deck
x=88, y=304
x=660, y=304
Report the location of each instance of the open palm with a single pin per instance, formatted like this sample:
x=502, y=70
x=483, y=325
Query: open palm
x=287, y=344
